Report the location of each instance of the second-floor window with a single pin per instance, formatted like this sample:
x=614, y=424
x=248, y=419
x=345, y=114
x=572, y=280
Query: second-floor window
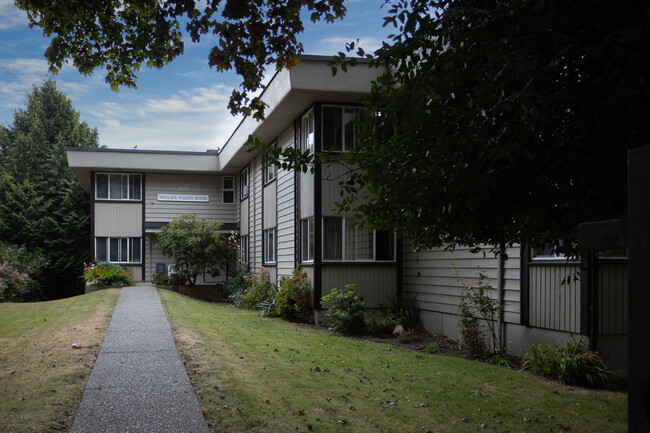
x=244, y=183
x=340, y=127
x=118, y=186
x=269, y=172
x=228, y=189
x=307, y=132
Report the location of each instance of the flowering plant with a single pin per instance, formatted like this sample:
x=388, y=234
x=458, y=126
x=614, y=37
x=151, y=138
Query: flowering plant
x=107, y=274
x=12, y=283
x=293, y=297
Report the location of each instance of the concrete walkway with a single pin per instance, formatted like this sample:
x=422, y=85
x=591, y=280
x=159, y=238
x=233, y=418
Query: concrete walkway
x=139, y=383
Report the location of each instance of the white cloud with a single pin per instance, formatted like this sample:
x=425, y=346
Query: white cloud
x=11, y=16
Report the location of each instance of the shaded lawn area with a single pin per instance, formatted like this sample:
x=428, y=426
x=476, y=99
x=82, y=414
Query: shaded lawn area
x=42, y=377
x=268, y=375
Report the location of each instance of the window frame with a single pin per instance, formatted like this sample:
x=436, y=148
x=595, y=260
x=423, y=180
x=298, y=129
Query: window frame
x=307, y=141
x=129, y=241
x=224, y=190
x=357, y=113
x=343, y=258
x=130, y=186
x=270, y=171
x=244, y=183
x=243, y=249
x=307, y=240
x=269, y=237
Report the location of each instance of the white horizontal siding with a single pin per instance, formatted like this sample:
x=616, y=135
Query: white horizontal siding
x=286, y=212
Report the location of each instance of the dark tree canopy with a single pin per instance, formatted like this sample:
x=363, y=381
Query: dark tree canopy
x=42, y=205
x=503, y=122
x=122, y=36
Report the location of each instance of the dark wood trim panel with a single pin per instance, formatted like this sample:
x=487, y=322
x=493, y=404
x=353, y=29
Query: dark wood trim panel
x=92, y=215
x=143, y=240
x=318, y=212
x=524, y=290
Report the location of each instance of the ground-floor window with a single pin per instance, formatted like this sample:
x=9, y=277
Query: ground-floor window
x=269, y=245
x=243, y=248
x=118, y=250
x=343, y=240
x=307, y=240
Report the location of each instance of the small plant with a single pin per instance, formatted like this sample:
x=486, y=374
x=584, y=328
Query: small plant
x=107, y=274
x=431, y=348
x=293, y=297
x=381, y=324
x=268, y=307
x=477, y=305
x=406, y=310
x=571, y=364
x=504, y=359
x=240, y=282
x=160, y=279
x=30, y=263
x=259, y=290
x=12, y=283
x=346, y=311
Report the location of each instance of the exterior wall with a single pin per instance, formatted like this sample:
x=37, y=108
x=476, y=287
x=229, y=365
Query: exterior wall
x=554, y=302
x=306, y=194
x=256, y=197
x=376, y=283
x=270, y=212
x=113, y=219
x=165, y=211
x=244, y=219
x=286, y=225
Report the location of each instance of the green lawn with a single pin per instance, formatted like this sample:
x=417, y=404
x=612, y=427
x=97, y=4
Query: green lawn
x=42, y=377
x=260, y=374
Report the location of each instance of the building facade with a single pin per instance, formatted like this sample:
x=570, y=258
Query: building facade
x=287, y=219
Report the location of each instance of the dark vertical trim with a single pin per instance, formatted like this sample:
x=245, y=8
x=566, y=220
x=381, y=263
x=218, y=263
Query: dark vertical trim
x=592, y=286
x=318, y=227
x=143, y=241
x=297, y=233
x=92, y=216
x=524, y=289
x=261, y=205
x=400, y=269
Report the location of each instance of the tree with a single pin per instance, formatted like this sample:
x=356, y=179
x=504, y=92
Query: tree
x=42, y=205
x=122, y=36
x=196, y=246
x=499, y=122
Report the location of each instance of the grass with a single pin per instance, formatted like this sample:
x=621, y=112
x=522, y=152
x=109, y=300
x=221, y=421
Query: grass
x=267, y=375
x=42, y=377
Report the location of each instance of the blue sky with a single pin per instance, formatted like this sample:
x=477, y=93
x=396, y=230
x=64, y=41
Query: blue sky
x=181, y=107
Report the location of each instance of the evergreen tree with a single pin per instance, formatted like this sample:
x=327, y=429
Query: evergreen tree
x=42, y=205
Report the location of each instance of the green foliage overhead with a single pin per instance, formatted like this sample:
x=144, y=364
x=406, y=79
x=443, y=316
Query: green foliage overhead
x=498, y=122
x=42, y=205
x=196, y=246
x=122, y=36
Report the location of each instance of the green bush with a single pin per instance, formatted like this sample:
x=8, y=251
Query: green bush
x=572, y=364
x=381, y=324
x=12, y=283
x=107, y=274
x=240, y=282
x=30, y=263
x=160, y=279
x=293, y=297
x=346, y=311
x=260, y=289
x=407, y=311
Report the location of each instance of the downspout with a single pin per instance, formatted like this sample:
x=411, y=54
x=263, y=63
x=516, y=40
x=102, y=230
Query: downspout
x=500, y=293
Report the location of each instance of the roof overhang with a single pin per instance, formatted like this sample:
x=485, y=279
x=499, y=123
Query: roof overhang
x=84, y=161
x=289, y=94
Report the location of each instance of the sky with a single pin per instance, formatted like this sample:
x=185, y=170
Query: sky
x=181, y=107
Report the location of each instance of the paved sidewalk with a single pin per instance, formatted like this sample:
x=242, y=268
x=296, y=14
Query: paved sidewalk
x=139, y=383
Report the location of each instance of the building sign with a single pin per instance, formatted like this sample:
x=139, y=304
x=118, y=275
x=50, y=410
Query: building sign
x=184, y=197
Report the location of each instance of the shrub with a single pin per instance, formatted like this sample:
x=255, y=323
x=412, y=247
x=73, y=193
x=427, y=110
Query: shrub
x=381, y=324
x=240, y=282
x=407, y=311
x=431, y=348
x=30, y=263
x=293, y=296
x=346, y=311
x=268, y=306
x=107, y=274
x=259, y=290
x=12, y=283
x=160, y=279
x=571, y=364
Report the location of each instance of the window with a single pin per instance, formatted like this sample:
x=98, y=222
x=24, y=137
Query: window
x=228, y=189
x=307, y=132
x=269, y=172
x=244, y=183
x=118, y=186
x=547, y=252
x=307, y=240
x=243, y=247
x=118, y=250
x=269, y=245
x=340, y=130
x=343, y=240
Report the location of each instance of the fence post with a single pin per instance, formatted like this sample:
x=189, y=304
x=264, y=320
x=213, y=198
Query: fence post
x=638, y=233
